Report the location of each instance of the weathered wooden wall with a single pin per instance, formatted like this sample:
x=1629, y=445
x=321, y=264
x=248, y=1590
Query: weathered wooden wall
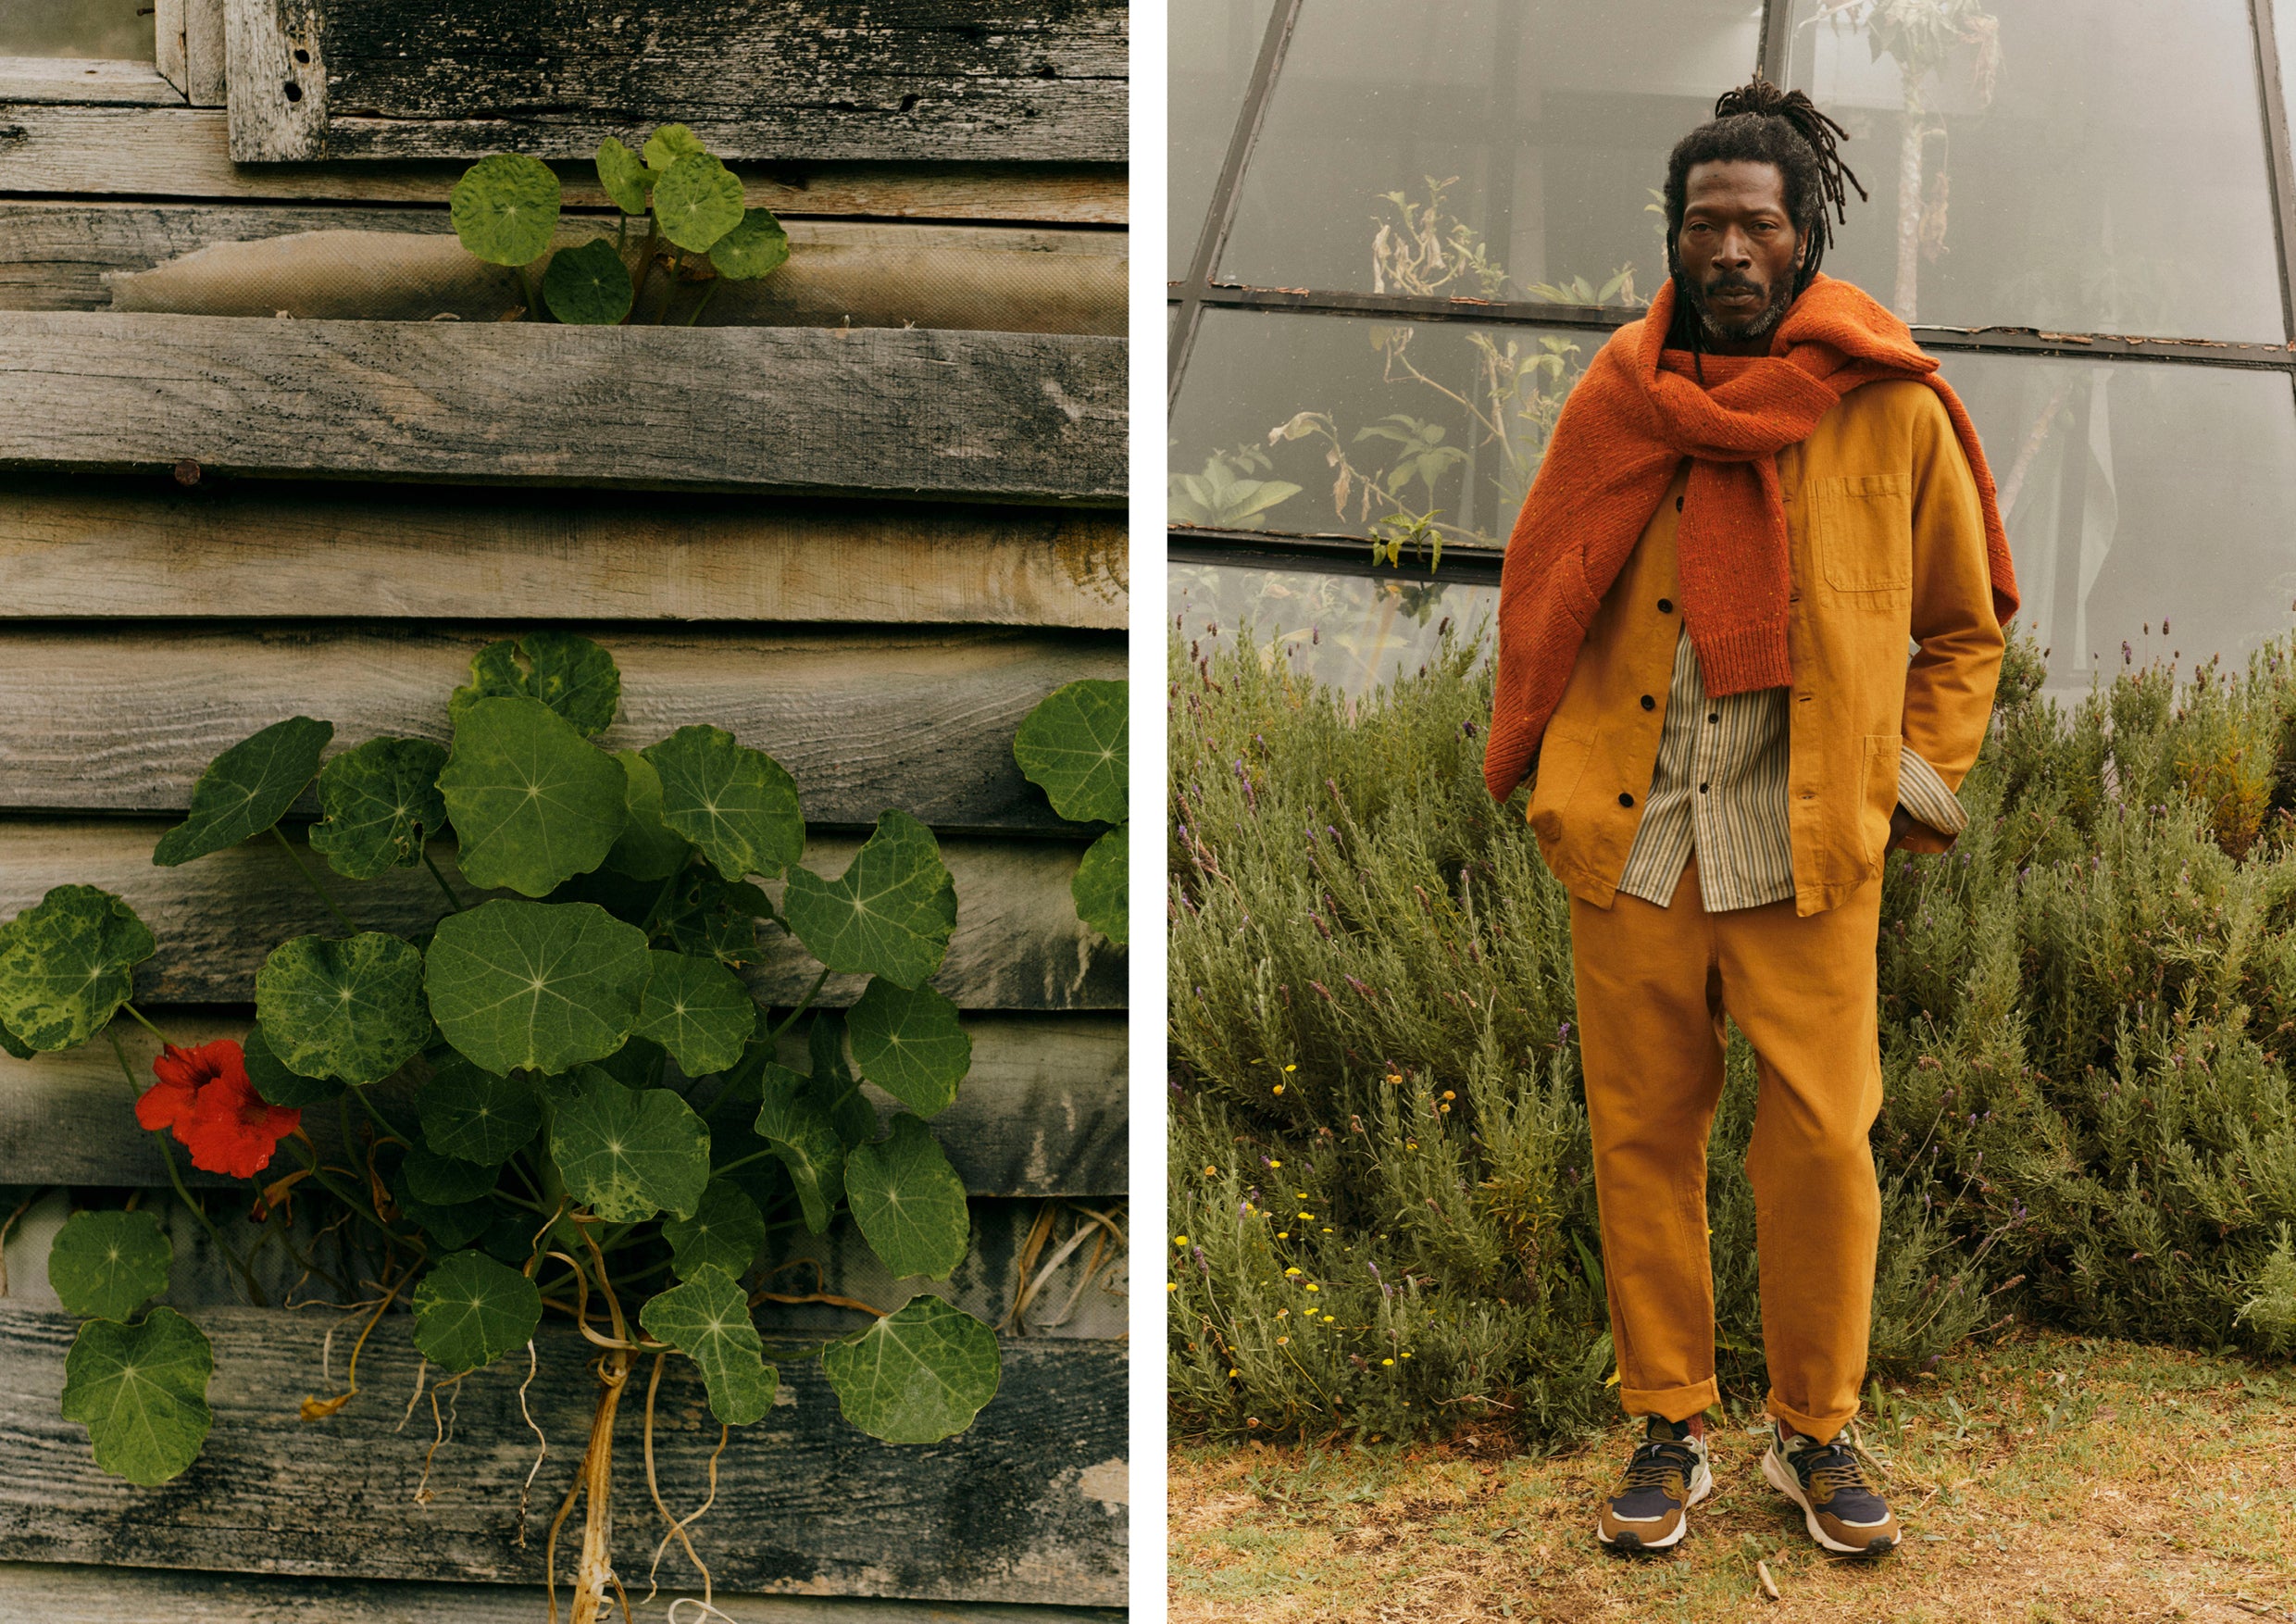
x=865, y=518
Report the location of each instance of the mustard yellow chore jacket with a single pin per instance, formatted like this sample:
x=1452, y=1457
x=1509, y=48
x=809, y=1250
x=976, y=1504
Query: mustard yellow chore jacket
x=1888, y=544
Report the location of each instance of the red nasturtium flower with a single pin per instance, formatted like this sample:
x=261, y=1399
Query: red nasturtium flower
x=203, y=1097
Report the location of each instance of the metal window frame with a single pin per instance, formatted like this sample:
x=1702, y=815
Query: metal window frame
x=1342, y=554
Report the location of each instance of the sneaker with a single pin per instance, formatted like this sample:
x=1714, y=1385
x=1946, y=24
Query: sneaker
x=1668, y=1476
x=1828, y=1482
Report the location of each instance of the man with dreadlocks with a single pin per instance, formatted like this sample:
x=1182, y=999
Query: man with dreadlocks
x=1755, y=500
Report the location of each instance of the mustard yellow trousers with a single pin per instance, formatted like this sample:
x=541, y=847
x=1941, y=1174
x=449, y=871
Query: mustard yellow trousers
x=1654, y=984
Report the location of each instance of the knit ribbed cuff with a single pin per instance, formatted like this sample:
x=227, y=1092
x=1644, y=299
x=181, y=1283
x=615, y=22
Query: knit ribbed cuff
x=1742, y=661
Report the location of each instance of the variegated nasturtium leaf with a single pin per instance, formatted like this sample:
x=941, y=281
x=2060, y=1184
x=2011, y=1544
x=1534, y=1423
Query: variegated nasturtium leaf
x=908, y=1201
x=625, y=1153
x=506, y=208
x=757, y=248
x=477, y=1116
x=471, y=1310
x=142, y=1392
x=807, y=1143
x=246, y=789
x=916, y=1376
x=908, y=1043
x=1075, y=744
x=533, y=802
x=624, y=176
x=105, y=1264
x=535, y=985
x=66, y=964
x=707, y=1319
x=275, y=1084
x=1099, y=887
x=566, y=672
x=737, y=804
x=698, y=1010
x=352, y=1009
x=890, y=913
x=647, y=847
x=725, y=1231
x=12, y=1044
x=443, y=1181
x=697, y=201
x=669, y=144
x=378, y=800
x=588, y=285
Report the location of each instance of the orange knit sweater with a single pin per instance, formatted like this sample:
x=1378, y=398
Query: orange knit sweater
x=1630, y=419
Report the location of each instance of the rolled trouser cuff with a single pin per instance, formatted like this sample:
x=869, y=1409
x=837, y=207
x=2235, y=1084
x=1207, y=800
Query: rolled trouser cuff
x=1677, y=1404
x=1821, y=1428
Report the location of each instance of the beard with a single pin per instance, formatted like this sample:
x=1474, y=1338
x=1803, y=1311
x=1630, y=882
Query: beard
x=1738, y=330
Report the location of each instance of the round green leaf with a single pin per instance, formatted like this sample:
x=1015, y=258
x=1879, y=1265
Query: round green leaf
x=533, y=802
x=105, y=1264
x=276, y=1085
x=378, y=800
x=566, y=672
x=697, y=201
x=698, y=1010
x=1100, y=886
x=588, y=285
x=735, y=802
x=669, y=144
x=246, y=789
x=647, y=847
x=1075, y=744
x=538, y=985
x=66, y=964
x=908, y=1201
x=142, y=1392
x=628, y=1153
x=725, y=1231
x=506, y=208
x=908, y=1043
x=351, y=1009
x=889, y=915
x=916, y=1376
x=447, y=1226
x=832, y=1086
x=477, y=1116
x=471, y=1310
x=707, y=1319
x=757, y=248
x=805, y=1142
x=624, y=175
x=443, y=1181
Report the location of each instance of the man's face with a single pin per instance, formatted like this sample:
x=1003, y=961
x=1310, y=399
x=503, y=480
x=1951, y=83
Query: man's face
x=1738, y=250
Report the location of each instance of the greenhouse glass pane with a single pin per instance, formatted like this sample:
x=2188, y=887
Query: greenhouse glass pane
x=1538, y=129
x=120, y=29
x=2146, y=505
x=1320, y=424
x=2104, y=176
x=1213, y=45
x=1352, y=632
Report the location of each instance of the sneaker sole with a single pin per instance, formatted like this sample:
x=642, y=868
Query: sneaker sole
x=1699, y=1488
x=1781, y=1478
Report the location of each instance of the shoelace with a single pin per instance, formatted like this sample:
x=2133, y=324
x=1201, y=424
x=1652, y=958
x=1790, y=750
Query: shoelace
x=1831, y=1465
x=1652, y=1461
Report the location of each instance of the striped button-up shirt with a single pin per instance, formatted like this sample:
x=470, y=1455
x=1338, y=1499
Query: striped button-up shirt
x=1720, y=787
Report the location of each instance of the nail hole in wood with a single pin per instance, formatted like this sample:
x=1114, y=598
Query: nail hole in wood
x=295, y=91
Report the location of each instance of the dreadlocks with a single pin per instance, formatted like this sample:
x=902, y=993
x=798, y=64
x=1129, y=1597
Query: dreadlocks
x=1760, y=123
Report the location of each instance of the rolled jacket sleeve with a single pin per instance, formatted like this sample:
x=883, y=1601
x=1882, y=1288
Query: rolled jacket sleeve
x=1921, y=792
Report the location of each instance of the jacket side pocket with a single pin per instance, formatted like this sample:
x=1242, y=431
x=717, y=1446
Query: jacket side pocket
x=1879, y=799
x=1562, y=763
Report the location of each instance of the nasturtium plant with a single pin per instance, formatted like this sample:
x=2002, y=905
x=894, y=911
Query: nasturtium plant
x=556, y=1095
x=505, y=209
x=1076, y=748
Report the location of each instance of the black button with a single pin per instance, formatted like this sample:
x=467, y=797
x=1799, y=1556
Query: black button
x=1702, y=789
x=1677, y=503
x=1714, y=716
x=1624, y=799
x=1665, y=605
x=1648, y=703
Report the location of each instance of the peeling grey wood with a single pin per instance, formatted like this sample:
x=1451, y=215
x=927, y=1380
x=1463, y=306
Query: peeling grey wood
x=78, y=549
x=87, y=81
x=56, y=1593
x=1011, y=415
x=79, y=152
x=755, y=79
x=205, y=53
x=1042, y=1112
x=1017, y=945
x=1028, y=1506
x=113, y=719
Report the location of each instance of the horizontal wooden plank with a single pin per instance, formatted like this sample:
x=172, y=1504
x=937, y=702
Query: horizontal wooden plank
x=1042, y=1112
x=871, y=411
x=1017, y=945
x=57, y=1594
x=320, y=78
x=116, y=719
x=52, y=151
x=1028, y=1506
x=92, y=81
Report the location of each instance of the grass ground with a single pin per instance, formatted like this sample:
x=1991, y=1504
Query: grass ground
x=2044, y=1479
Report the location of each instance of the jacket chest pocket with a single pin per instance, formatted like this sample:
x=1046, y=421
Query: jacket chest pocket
x=1862, y=529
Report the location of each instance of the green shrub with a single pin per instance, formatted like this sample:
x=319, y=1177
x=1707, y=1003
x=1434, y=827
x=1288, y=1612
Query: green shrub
x=1375, y=1084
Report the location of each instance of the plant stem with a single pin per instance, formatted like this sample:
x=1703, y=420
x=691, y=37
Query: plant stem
x=305, y=869
x=645, y=267
x=724, y=1169
x=696, y=314
x=381, y=1120
x=451, y=900
x=660, y=901
x=525, y=291
x=137, y=1016
x=175, y=1177
x=802, y=1005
